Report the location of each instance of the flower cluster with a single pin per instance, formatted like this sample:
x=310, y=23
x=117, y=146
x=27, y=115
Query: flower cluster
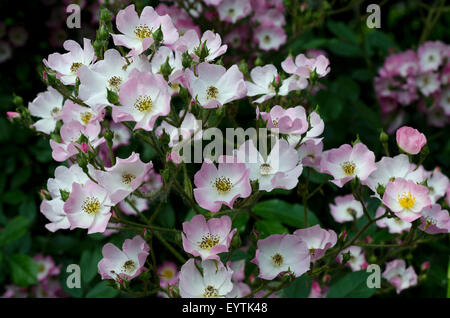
x=164, y=85
x=416, y=77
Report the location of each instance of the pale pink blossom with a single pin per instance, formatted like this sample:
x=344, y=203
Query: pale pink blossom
x=435, y=220
x=46, y=267
x=221, y=185
x=214, y=282
x=216, y=86
x=168, y=274
x=318, y=240
x=207, y=238
x=127, y=263
x=394, y=224
x=278, y=170
x=108, y=74
x=124, y=177
x=277, y=254
x=88, y=207
x=437, y=184
x=310, y=154
x=233, y=10
x=388, y=169
x=67, y=65
x=346, y=209
x=399, y=276
x=144, y=98
x=406, y=199
x=137, y=31
x=347, y=162
x=47, y=106
x=303, y=66
x=287, y=121
x=190, y=42
x=269, y=37
x=357, y=259
x=132, y=204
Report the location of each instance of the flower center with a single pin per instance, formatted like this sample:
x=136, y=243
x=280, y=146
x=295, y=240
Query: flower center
x=275, y=122
x=209, y=241
x=75, y=66
x=127, y=178
x=277, y=260
x=351, y=211
x=129, y=266
x=55, y=111
x=143, y=104
x=406, y=200
x=41, y=268
x=265, y=169
x=349, y=168
x=266, y=39
x=91, y=205
x=212, y=93
x=429, y=221
x=210, y=292
x=114, y=83
x=231, y=11
x=86, y=117
x=142, y=31
x=223, y=185
x=167, y=273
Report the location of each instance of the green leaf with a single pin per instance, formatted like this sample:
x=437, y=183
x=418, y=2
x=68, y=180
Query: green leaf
x=28, y=210
x=352, y=285
x=267, y=228
x=345, y=49
x=448, y=279
x=88, y=265
x=102, y=290
x=284, y=212
x=14, y=230
x=240, y=222
x=23, y=270
x=300, y=288
x=166, y=217
x=20, y=177
x=13, y=197
x=342, y=31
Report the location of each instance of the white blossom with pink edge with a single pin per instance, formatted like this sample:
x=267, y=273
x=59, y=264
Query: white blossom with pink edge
x=357, y=259
x=144, y=98
x=406, y=199
x=67, y=65
x=347, y=162
x=435, y=220
x=399, y=276
x=215, y=282
x=124, y=177
x=127, y=263
x=394, y=224
x=277, y=254
x=207, y=238
x=346, y=209
x=137, y=30
x=318, y=240
x=216, y=86
x=88, y=207
x=279, y=170
x=47, y=106
x=221, y=185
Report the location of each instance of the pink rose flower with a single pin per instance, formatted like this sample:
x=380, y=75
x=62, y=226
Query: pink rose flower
x=410, y=140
